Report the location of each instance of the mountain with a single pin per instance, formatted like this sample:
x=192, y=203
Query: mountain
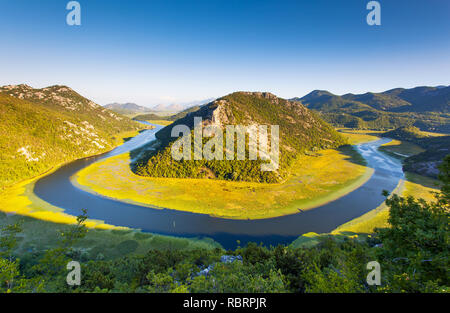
x=378, y=101
x=152, y=116
x=425, y=107
x=418, y=99
x=321, y=100
x=183, y=113
x=300, y=129
x=168, y=107
x=422, y=99
x=41, y=128
x=178, y=107
x=425, y=163
x=127, y=108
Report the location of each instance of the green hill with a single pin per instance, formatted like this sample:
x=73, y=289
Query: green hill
x=41, y=128
x=407, y=133
x=378, y=101
x=427, y=108
x=422, y=99
x=300, y=130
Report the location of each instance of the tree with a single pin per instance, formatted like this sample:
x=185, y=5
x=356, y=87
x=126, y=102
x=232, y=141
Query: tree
x=54, y=261
x=415, y=252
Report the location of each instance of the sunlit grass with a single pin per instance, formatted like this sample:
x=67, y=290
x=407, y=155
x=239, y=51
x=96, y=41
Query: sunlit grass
x=160, y=122
x=401, y=149
x=20, y=199
x=415, y=185
x=358, y=136
x=314, y=180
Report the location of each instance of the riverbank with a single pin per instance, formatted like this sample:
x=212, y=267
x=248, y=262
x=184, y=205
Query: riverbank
x=414, y=185
x=20, y=199
x=420, y=187
x=38, y=235
x=315, y=180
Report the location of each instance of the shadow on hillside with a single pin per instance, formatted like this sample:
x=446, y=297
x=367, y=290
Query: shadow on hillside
x=141, y=155
x=352, y=155
x=312, y=239
x=126, y=139
x=423, y=180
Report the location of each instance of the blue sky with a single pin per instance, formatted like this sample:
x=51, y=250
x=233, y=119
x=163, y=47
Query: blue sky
x=167, y=51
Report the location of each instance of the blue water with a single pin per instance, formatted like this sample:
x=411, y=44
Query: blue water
x=59, y=191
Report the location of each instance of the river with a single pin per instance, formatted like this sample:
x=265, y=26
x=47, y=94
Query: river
x=58, y=190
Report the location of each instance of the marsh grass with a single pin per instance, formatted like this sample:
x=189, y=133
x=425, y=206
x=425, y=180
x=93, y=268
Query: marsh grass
x=99, y=244
x=315, y=179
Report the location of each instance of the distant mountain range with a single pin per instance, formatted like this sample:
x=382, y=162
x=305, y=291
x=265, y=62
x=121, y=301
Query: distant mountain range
x=174, y=108
x=174, y=117
x=41, y=128
x=418, y=99
x=127, y=108
x=133, y=108
x=425, y=107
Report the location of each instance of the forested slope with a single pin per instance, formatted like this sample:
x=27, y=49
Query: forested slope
x=300, y=130
x=41, y=128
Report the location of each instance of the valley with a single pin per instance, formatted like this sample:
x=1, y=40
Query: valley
x=312, y=182
x=43, y=128
x=315, y=180
x=225, y=231
x=222, y=151
x=325, y=191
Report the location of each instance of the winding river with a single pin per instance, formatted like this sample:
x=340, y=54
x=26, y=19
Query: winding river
x=58, y=190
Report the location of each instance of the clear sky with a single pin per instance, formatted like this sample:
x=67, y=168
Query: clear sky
x=167, y=51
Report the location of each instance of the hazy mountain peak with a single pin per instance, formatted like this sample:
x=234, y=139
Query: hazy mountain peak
x=127, y=108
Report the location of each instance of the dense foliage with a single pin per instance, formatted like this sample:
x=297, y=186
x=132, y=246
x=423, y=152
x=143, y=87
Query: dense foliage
x=41, y=128
x=300, y=130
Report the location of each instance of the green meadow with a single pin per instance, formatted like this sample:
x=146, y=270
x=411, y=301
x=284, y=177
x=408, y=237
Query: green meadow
x=315, y=179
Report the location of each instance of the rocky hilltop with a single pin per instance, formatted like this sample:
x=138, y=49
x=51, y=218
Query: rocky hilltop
x=300, y=130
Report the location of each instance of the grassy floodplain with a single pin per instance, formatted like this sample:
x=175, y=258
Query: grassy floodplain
x=160, y=122
x=101, y=243
x=414, y=185
x=361, y=227
x=401, y=149
x=20, y=199
x=355, y=136
x=315, y=179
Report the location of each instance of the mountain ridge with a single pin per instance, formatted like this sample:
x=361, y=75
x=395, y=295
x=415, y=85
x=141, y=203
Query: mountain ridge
x=407, y=99
x=127, y=108
x=425, y=107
